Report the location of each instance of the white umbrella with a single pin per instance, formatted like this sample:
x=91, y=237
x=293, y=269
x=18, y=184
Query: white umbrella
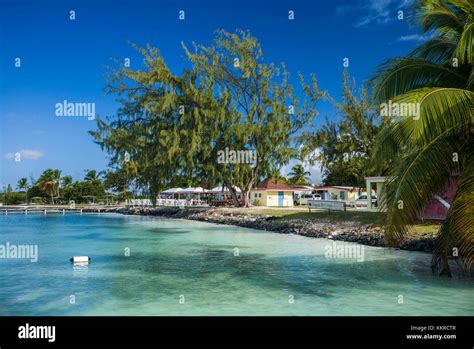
x=223, y=189
x=188, y=190
x=173, y=191
x=197, y=190
x=200, y=190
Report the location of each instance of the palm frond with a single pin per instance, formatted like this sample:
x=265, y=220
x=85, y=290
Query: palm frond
x=414, y=181
x=465, y=47
x=400, y=75
x=437, y=50
x=436, y=15
x=390, y=141
x=467, y=6
x=439, y=109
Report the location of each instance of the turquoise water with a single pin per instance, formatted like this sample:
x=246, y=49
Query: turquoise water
x=273, y=274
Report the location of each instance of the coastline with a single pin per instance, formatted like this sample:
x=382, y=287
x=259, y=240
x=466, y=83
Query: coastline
x=342, y=231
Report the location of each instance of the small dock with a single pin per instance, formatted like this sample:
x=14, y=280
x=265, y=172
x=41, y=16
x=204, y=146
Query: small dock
x=45, y=210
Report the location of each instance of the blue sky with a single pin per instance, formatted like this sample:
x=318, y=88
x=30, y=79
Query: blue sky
x=63, y=59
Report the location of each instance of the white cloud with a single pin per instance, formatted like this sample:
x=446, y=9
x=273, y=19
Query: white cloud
x=374, y=12
x=377, y=11
x=25, y=154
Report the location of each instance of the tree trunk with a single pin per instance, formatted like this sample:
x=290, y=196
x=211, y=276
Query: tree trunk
x=248, y=187
x=233, y=193
x=245, y=198
x=445, y=269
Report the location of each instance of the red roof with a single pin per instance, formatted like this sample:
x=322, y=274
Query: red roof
x=271, y=184
x=340, y=187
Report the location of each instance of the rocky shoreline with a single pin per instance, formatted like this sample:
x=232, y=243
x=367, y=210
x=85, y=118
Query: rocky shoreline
x=343, y=231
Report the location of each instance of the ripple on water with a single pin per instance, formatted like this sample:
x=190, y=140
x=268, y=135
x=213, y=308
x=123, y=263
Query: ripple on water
x=173, y=258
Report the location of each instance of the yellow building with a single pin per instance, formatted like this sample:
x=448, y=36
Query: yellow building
x=339, y=192
x=272, y=193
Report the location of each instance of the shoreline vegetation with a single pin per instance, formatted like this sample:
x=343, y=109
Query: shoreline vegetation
x=410, y=125
x=351, y=226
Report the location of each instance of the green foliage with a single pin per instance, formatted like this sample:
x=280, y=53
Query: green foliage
x=23, y=184
x=426, y=152
x=344, y=147
x=299, y=175
x=54, y=189
x=49, y=182
x=276, y=175
x=173, y=126
x=12, y=198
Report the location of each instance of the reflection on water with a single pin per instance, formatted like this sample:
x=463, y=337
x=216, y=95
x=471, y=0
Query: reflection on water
x=171, y=258
x=80, y=268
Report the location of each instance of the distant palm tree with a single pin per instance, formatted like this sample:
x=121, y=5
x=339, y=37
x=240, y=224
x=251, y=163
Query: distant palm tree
x=277, y=176
x=23, y=184
x=66, y=180
x=49, y=182
x=425, y=150
x=92, y=175
x=299, y=175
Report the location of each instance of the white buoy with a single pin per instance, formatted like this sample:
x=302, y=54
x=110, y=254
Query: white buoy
x=63, y=212
x=80, y=259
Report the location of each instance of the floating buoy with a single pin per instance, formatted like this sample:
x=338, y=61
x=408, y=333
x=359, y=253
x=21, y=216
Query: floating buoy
x=81, y=259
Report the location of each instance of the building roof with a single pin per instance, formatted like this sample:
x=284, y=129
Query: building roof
x=302, y=187
x=274, y=185
x=342, y=187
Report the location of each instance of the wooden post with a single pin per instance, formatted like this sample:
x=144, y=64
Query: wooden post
x=369, y=194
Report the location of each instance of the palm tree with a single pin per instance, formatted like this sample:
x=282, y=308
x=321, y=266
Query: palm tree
x=49, y=182
x=299, y=175
x=92, y=175
x=277, y=176
x=425, y=150
x=66, y=180
x=22, y=184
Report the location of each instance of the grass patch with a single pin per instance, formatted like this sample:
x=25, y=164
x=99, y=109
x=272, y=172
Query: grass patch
x=336, y=217
x=269, y=212
x=361, y=217
x=427, y=228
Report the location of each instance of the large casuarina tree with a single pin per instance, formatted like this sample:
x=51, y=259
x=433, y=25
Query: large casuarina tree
x=429, y=149
x=229, y=100
x=261, y=112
